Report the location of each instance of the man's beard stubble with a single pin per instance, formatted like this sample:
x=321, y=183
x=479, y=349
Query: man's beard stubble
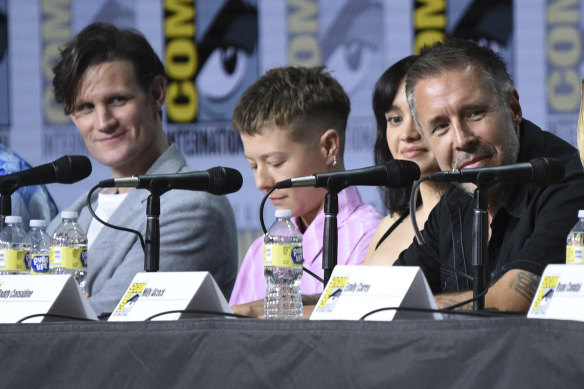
x=509, y=152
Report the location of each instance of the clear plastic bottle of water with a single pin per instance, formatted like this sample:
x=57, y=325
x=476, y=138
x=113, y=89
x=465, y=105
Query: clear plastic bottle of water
x=39, y=243
x=68, y=252
x=283, y=268
x=13, y=250
x=575, y=241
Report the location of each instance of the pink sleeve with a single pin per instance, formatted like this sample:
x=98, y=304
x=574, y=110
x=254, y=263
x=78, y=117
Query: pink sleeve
x=250, y=284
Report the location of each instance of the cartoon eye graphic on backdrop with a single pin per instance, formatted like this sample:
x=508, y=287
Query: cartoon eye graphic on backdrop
x=225, y=49
x=351, y=42
x=489, y=23
x=222, y=72
x=350, y=61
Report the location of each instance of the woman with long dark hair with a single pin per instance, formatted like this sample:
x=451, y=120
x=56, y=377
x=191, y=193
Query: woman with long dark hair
x=398, y=138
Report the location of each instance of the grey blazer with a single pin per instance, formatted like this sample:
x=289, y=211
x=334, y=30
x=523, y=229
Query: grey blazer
x=197, y=232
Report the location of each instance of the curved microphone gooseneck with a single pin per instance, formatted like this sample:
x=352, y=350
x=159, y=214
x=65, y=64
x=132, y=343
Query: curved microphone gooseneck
x=218, y=180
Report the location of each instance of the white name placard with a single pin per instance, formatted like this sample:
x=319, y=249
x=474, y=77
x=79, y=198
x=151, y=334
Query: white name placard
x=560, y=294
x=56, y=294
x=354, y=291
x=153, y=293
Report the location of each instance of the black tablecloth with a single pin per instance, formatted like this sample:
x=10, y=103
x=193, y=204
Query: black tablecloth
x=208, y=353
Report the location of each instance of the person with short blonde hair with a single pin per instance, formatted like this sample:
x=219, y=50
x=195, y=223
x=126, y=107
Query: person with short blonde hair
x=292, y=123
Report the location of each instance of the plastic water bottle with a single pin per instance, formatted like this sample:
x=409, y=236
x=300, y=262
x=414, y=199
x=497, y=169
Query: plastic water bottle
x=68, y=252
x=575, y=241
x=13, y=250
x=283, y=268
x=39, y=243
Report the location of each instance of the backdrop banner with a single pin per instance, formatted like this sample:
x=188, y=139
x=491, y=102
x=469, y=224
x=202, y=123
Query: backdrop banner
x=214, y=49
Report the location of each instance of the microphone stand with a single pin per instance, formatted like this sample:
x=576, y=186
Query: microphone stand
x=330, y=234
x=480, y=249
x=152, y=238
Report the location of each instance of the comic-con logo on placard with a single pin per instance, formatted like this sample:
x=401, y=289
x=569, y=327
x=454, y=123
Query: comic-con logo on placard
x=545, y=294
x=131, y=297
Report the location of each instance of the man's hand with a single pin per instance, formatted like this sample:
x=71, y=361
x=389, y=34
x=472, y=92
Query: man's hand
x=307, y=311
x=512, y=292
x=252, y=309
x=308, y=304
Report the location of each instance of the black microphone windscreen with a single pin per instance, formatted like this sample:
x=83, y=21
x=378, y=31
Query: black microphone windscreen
x=547, y=171
x=401, y=173
x=71, y=168
x=224, y=180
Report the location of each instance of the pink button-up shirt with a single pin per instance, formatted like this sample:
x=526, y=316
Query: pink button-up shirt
x=356, y=223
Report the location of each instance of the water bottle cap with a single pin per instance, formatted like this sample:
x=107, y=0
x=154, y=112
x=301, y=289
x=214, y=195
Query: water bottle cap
x=13, y=219
x=69, y=215
x=38, y=223
x=581, y=214
x=283, y=213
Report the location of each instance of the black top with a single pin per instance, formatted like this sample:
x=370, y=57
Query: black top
x=393, y=227
x=529, y=230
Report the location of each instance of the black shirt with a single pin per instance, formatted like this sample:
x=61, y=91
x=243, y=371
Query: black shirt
x=528, y=230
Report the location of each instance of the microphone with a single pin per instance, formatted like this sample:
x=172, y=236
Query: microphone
x=539, y=171
x=65, y=170
x=218, y=180
x=394, y=173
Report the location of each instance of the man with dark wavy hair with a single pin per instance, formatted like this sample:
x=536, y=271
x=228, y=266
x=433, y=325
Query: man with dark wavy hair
x=112, y=85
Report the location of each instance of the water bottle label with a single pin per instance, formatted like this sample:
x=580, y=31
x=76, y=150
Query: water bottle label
x=574, y=254
x=68, y=257
x=282, y=255
x=11, y=259
x=39, y=264
x=55, y=256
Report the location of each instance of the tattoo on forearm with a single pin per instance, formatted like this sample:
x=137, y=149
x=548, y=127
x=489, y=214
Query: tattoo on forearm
x=445, y=301
x=525, y=283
